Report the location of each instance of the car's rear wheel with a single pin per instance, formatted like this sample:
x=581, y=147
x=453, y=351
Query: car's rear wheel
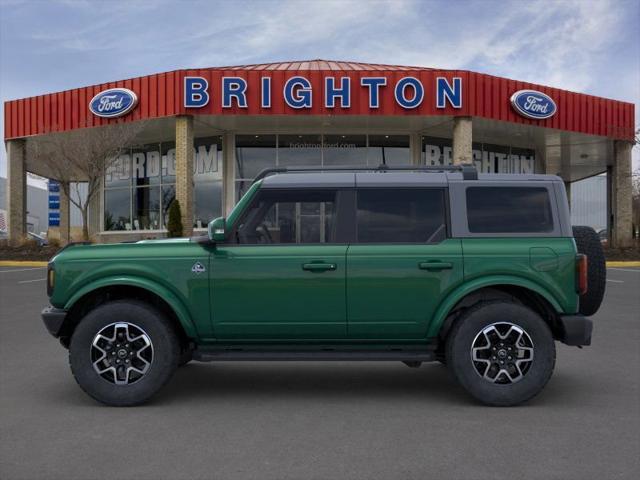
x=501, y=352
x=588, y=243
x=123, y=352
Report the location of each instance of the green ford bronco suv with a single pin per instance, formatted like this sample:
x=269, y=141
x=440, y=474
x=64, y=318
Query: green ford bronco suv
x=480, y=272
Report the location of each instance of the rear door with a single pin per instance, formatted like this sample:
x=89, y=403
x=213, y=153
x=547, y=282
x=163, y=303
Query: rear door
x=402, y=262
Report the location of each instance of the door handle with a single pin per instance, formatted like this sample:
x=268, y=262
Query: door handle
x=435, y=266
x=318, y=267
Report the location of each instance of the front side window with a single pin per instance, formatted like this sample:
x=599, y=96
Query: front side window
x=289, y=217
x=401, y=216
x=509, y=210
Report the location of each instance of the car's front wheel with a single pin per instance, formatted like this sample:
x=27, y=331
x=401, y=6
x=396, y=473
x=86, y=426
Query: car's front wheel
x=501, y=352
x=123, y=352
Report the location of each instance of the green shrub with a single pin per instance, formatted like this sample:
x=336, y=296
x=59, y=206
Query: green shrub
x=174, y=226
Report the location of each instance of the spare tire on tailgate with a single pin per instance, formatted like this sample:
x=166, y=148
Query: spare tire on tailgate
x=588, y=243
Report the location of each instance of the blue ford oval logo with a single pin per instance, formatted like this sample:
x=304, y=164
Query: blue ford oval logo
x=533, y=104
x=114, y=102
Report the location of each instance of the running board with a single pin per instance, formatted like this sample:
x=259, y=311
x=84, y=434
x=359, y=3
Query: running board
x=314, y=355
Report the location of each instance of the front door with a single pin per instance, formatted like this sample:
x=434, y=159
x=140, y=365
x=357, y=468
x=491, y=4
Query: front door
x=401, y=264
x=282, y=275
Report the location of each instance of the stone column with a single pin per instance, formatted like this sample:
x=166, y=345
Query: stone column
x=621, y=192
x=16, y=191
x=65, y=214
x=184, y=171
x=228, y=173
x=462, y=140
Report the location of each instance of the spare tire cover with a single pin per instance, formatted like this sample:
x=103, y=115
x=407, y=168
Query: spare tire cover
x=588, y=243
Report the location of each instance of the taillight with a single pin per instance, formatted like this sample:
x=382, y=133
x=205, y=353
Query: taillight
x=581, y=274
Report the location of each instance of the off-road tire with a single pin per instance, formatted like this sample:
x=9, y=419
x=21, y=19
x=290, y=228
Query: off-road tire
x=468, y=327
x=166, y=352
x=588, y=243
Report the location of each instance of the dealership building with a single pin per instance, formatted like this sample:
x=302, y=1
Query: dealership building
x=205, y=134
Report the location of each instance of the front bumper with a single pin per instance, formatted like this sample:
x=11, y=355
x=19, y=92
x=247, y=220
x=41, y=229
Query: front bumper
x=575, y=330
x=53, y=319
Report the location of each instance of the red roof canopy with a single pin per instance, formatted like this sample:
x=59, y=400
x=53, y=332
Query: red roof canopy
x=161, y=95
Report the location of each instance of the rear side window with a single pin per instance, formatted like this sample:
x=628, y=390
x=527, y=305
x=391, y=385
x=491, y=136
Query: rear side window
x=509, y=210
x=401, y=216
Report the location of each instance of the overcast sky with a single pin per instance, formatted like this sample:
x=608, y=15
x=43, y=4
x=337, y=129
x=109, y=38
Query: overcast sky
x=581, y=45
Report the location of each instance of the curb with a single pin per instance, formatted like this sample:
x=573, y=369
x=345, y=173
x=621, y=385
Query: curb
x=21, y=263
x=623, y=264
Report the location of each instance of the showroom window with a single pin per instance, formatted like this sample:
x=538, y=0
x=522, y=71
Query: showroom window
x=344, y=150
x=299, y=150
x=488, y=158
x=207, y=180
x=389, y=149
x=140, y=186
x=254, y=153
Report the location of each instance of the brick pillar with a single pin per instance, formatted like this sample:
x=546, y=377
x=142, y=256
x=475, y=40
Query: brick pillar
x=65, y=219
x=228, y=173
x=184, y=171
x=462, y=140
x=621, y=192
x=16, y=191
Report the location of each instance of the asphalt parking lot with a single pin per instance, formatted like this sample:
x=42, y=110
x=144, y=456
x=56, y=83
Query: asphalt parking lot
x=319, y=420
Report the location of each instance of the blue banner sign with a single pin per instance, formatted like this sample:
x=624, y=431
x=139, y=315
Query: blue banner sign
x=54, y=219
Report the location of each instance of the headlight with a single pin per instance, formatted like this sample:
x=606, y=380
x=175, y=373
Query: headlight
x=51, y=279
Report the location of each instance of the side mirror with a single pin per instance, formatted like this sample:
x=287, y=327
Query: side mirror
x=217, y=229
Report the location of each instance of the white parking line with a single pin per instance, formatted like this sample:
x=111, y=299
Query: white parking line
x=625, y=269
x=614, y=281
x=36, y=280
x=21, y=269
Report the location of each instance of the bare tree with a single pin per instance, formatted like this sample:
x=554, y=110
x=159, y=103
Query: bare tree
x=82, y=156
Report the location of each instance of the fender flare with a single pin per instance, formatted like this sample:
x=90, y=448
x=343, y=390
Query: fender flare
x=465, y=289
x=164, y=293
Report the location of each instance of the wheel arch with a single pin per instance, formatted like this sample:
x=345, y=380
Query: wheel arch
x=522, y=291
x=108, y=289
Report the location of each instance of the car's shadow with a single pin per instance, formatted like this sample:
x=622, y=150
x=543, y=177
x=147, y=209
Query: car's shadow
x=351, y=382
x=310, y=379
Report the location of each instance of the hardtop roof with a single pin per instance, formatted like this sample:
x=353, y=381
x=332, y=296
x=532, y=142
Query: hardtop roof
x=389, y=179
